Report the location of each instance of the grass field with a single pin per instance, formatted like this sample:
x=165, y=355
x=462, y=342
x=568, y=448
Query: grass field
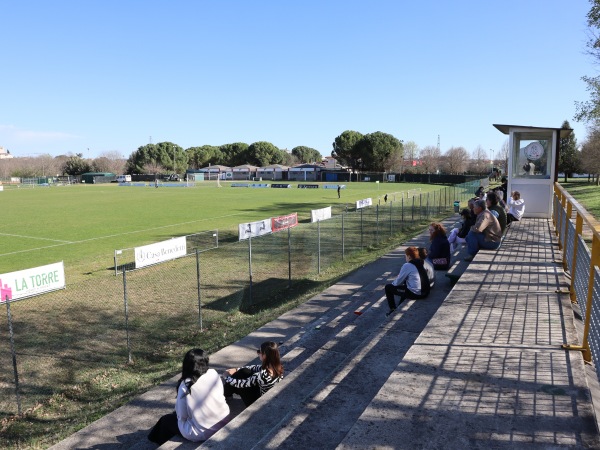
x=83, y=225
x=588, y=194
x=70, y=344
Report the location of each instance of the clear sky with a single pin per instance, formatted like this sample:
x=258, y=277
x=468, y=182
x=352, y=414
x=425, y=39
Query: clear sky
x=96, y=76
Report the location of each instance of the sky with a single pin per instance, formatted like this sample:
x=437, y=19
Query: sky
x=94, y=76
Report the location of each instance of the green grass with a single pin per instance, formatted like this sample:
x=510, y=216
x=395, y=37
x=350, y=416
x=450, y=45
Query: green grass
x=70, y=344
x=83, y=225
x=588, y=194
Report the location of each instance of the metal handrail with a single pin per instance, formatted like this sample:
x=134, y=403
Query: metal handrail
x=568, y=204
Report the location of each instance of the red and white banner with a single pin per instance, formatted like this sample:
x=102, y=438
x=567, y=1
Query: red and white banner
x=284, y=222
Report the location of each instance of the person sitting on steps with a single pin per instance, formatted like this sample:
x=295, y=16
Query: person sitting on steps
x=486, y=232
x=412, y=281
x=252, y=382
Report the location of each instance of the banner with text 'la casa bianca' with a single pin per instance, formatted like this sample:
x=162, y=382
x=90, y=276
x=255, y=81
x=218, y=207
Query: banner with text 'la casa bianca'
x=30, y=282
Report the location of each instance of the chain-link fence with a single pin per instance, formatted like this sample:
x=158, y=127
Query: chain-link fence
x=154, y=314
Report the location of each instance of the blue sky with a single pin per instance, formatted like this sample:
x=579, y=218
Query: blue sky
x=111, y=75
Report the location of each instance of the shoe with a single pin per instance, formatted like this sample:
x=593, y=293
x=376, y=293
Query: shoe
x=469, y=258
x=390, y=312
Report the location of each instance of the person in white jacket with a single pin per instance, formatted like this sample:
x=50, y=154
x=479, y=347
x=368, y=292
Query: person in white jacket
x=516, y=207
x=200, y=409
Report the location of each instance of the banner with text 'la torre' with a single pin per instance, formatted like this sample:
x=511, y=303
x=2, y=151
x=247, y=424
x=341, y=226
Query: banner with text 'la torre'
x=30, y=282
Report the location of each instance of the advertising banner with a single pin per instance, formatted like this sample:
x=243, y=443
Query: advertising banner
x=280, y=185
x=253, y=229
x=334, y=186
x=159, y=252
x=30, y=282
x=320, y=214
x=284, y=222
x=308, y=186
x=363, y=203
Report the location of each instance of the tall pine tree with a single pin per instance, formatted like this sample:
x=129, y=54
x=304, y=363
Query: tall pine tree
x=568, y=156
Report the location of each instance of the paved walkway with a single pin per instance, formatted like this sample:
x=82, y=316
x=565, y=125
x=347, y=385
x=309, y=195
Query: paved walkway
x=479, y=366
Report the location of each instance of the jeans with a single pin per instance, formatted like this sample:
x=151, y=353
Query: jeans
x=402, y=291
x=476, y=240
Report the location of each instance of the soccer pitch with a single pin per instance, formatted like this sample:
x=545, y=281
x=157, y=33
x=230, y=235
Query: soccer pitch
x=83, y=225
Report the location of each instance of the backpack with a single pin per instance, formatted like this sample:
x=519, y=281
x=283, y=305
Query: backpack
x=425, y=287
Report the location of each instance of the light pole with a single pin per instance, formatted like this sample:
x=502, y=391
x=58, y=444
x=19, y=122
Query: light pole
x=491, y=162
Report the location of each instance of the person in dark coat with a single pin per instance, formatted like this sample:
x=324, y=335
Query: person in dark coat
x=439, y=251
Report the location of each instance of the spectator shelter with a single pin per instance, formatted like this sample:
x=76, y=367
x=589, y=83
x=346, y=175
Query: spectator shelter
x=533, y=164
x=216, y=172
x=304, y=172
x=273, y=172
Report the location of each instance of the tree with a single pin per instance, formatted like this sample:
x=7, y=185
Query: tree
x=568, y=156
x=590, y=153
x=456, y=160
x=199, y=157
x=479, y=162
x=430, y=159
x=263, y=153
x=234, y=154
x=109, y=162
x=376, y=149
x=589, y=111
x=344, y=149
x=76, y=165
x=167, y=156
x=306, y=154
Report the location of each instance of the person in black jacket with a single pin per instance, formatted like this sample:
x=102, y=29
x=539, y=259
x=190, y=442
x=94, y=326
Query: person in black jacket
x=439, y=251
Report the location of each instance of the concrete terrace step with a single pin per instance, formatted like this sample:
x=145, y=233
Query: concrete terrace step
x=319, y=337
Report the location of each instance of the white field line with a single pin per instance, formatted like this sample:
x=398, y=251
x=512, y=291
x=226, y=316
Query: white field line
x=34, y=237
x=111, y=235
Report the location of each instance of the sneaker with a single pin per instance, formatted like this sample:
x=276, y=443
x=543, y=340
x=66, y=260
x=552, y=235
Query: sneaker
x=469, y=258
x=390, y=312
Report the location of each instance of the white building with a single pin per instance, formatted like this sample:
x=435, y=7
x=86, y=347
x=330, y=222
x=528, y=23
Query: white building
x=5, y=154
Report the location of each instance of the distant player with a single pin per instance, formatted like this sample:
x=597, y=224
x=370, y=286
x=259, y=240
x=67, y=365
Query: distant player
x=339, y=187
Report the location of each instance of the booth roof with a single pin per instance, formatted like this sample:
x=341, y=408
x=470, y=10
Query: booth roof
x=564, y=132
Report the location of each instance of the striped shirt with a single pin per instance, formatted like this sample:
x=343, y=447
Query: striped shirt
x=259, y=376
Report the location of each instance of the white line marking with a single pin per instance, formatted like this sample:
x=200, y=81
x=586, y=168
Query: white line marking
x=34, y=237
x=116, y=235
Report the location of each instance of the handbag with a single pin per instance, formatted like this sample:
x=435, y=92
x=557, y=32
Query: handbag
x=440, y=261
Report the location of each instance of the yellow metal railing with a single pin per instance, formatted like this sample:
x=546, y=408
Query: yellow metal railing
x=565, y=204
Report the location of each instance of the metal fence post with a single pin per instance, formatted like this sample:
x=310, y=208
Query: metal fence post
x=13, y=353
x=361, y=228
x=319, y=247
x=250, y=266
x=343, y=238
x=391, y=232
x=289, y=258
x=129, y=359
x=377, y=225
x=199, y=293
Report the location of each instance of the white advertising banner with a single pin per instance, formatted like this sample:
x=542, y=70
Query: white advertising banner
x=317, y=215
x=363, y=203
x=30, y=282
x=159, y=252
x=253, y=229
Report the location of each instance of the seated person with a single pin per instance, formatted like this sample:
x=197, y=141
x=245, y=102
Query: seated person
x=200, y=408
x=500, y=194
x=516, y=207
x=252, y=382
x=412, y=281
x=458, y=235
x=439, y=250
x=486, y=233
x=480, y=192
x=428, y=266
x=493, y=206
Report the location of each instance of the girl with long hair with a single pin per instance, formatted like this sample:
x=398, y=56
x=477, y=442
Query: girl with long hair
x=251, y=382
x=439, y=251
x=200, y=409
